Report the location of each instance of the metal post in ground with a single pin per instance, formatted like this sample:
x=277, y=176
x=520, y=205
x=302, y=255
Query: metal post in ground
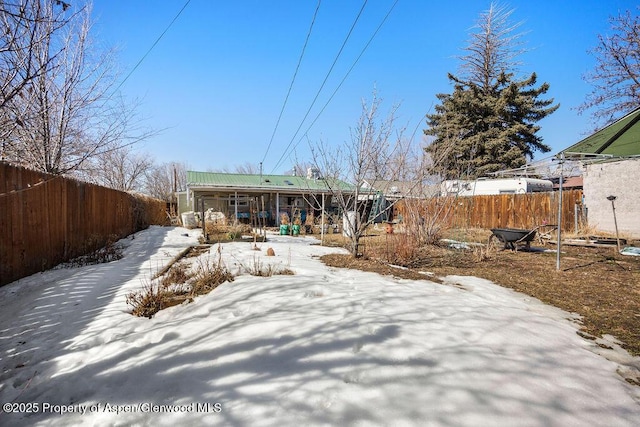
x=615, y=221
x=559, y=237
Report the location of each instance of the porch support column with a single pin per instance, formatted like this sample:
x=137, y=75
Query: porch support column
x=277, y=209
x=322, y=222
x=235, y=209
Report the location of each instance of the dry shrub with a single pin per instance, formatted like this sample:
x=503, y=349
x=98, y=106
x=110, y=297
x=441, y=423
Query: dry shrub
x=178, y=274
x=219, y=231
x=111, y=251
x=149, y=300
x=178, y=286
x=257, y=268
x=398, y=249
x=427, y=220
x=209, y=275
x=485, y=252
x=216, y=228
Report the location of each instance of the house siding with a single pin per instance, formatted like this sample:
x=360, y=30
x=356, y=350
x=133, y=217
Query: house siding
x=619, y=179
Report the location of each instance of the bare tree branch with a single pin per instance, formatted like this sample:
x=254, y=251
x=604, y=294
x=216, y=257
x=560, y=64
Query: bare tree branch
x=492, y=48
x=616, y=76
x=375, y=153
x=162, y=180
x=67, y=114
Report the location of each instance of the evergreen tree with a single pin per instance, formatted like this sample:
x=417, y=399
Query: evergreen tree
x=489, y=121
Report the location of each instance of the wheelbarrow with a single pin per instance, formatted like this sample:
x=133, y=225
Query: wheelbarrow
x=510, y=237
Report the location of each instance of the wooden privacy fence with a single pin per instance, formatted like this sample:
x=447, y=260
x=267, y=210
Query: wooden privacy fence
x=499, y=211
x=47, y=219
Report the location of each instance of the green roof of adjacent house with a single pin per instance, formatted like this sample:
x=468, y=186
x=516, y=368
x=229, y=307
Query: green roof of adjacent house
x=619, y=139
x=260, y=182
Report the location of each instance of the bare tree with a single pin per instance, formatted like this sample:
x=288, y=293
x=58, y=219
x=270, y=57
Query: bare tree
x=165, y=179
x=26, y=27
x=122, y=169
x=363, y=162
x=248, y=168
x=69, y=113
x=616, y=76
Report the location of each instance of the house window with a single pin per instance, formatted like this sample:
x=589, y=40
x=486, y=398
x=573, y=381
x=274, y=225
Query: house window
x=243, y=200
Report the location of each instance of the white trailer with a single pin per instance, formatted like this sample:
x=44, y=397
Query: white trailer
x=487, y=186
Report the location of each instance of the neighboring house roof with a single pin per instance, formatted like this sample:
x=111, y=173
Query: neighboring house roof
x=393, y=188
x=283, y=183
x=570, y=182
x=619, y=139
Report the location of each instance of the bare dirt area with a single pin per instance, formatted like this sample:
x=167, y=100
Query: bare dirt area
x=600, y=285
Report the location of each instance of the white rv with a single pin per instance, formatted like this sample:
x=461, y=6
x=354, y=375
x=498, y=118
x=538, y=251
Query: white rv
x=487, y=186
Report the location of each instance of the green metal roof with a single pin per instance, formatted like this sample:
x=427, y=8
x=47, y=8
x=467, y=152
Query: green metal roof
x=260, y=182
x=619, y=139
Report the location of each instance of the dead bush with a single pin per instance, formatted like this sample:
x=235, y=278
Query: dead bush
x=485, y=252
x=178, y=274
x=111, y=251
x=223, y=232
x=216, y=228
x=149, y=300
x=427, y=220
x=209, y=275
x=258, y=268
x=398, y=249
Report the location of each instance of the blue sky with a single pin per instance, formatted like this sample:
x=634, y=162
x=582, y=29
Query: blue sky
x=217, y=80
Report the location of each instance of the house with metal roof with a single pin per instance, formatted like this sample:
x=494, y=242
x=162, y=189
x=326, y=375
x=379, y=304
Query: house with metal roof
x=245, y=197
x=611, y=167
x=619, y=140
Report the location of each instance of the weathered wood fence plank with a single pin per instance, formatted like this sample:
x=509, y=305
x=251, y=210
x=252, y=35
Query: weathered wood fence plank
x=505, y=210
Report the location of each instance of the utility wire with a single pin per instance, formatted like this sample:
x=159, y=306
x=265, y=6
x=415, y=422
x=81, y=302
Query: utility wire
x=323, y=83
x=153, y=45
x=344, y=78
x=292, y=80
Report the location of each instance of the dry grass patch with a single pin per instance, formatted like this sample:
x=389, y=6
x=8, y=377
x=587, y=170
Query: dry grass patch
x=257, y=268
x=152, y=298
x=208, y=276
x=179, y=273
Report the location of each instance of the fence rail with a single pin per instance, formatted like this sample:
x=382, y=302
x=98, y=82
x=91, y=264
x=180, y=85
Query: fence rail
x=47, y=219
x=505, y=210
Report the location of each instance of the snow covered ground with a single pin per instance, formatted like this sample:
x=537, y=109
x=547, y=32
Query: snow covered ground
x=322, y=347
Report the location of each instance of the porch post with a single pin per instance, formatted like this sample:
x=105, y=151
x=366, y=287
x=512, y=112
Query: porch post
x=322, y=222
x=277, y=209
x=235, y=210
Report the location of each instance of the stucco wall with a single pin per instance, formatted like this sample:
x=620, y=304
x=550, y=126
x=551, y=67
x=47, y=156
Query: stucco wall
x=620, y=179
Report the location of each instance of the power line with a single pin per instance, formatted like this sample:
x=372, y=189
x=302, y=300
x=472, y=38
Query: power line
x=323, y=83
x=345, y=76
x=153, y=45
x=292, y=80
